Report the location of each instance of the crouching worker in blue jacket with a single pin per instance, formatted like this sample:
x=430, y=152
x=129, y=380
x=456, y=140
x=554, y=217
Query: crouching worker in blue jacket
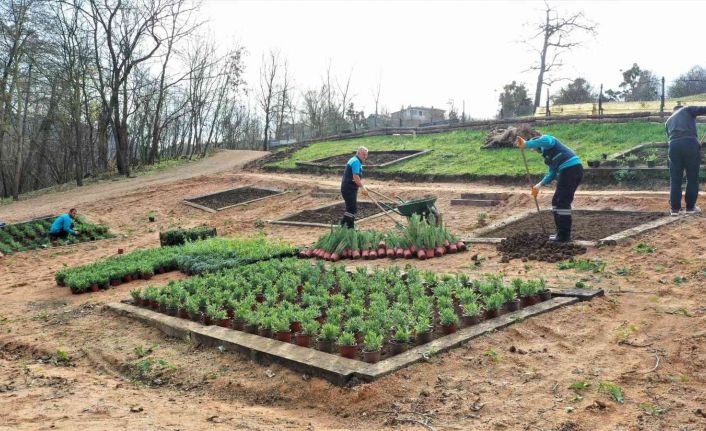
x=565, y=166
x=63, y=226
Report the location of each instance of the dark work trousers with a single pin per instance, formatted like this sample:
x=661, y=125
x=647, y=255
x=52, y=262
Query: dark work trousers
x=684, y=155
x=568, y=182
x=350, y=197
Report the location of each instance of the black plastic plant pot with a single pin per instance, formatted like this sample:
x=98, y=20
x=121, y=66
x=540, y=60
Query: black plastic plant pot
x=594, y=163
x=651, y=163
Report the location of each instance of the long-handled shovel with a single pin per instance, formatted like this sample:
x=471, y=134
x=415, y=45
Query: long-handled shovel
x=383, y=196
x=529, y=180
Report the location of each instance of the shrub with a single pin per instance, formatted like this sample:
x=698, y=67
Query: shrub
x=448, y=317
x=346, y=339
x=329, y=332
x=182, y=236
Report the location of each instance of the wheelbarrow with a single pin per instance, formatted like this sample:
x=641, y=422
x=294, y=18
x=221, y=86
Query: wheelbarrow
x=424, y=207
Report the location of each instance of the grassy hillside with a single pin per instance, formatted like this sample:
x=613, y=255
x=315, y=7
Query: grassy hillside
x=460, y=152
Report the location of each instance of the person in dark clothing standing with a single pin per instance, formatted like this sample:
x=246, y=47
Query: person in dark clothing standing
x=351, y=182
x=565, y=165
x=684, y=155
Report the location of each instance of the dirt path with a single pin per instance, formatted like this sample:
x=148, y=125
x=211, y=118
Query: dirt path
x=124, y=375
x=225, y=160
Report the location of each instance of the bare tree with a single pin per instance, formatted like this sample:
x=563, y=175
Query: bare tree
x=376, y=97
x=557, y=35
x=268, y=92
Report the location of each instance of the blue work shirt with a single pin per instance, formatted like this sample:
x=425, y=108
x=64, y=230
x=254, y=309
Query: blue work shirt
x=62, y=223
x=353, y=167
x=557, y=156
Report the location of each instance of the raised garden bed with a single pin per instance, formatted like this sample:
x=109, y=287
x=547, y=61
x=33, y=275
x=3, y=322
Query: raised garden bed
x=376, y=159
x=212, y=255
x=330, y=215
x=314, y=312
x=33, y=234
x=229, y=198
x=590, y=227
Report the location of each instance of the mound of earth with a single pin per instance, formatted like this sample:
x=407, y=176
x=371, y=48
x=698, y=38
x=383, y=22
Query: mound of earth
x=507, y=137
x=537, y=246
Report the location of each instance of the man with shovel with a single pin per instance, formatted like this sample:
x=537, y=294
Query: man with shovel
x=684, y=155
x=350, y=183
x=564, y=165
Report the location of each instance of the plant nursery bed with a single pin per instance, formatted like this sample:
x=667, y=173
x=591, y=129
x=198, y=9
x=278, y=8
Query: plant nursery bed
x=33, y=234
x=388, y=317
x=230, y=198
x=334, y=368
x=376, y=159
x=651, y=155
x=590, y=227
x=329, y=215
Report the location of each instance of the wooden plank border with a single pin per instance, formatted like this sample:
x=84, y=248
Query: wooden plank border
x=316, y=164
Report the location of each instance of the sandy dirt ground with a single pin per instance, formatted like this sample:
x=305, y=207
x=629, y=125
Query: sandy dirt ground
x=646, y=336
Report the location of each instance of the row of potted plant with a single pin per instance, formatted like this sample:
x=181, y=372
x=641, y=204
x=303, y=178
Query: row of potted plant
x=293, y=301
x=420, y=238
x=35, y=234
x=182, y=236
x=211, y=255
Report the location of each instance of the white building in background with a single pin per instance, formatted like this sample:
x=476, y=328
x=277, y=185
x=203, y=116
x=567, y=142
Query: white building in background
x=413, y=116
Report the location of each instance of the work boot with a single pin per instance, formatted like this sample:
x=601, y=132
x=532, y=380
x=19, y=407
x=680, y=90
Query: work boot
x=348, y=222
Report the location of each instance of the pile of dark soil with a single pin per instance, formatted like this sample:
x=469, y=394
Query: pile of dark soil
x=537, y=246
x=501, y=137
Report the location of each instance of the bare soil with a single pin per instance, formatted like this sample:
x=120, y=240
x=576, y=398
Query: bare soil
x=235, y=196
x=332, y=214
x=586, y=225
x=646, y=335
x=536, y=246
x=374, y=157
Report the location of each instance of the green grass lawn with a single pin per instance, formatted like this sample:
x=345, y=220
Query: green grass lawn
x=457, y=153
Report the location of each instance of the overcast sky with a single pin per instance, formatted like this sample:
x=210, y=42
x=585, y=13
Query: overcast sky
x=428, y=52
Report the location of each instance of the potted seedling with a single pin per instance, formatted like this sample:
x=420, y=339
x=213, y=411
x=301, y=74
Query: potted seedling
x=251, y=322
x=136, y=295
x=632, y=160
x=400, y=341
x=528, y=291
x=371, y=347
x=213, y=314
x=354, y=325
x=471, y=313
x=151, y=294
x=327, y=337
x=449, y=320
x=347, y=345
x=651, y=161
x=182, y=313
x=280, y=326
x=512, y=303
x=494, y=304
x=310, y=329
x=193, y=305
x=151, y=216
x=423, y=330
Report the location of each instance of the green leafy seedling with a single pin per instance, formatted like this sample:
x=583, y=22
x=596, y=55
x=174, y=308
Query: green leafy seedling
x=579, y=385
x=615, y=391
x=62, y=357
x=641, y=247
x=651, y=409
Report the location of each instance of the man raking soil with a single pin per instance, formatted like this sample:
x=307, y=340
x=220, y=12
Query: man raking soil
x=565, y=166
